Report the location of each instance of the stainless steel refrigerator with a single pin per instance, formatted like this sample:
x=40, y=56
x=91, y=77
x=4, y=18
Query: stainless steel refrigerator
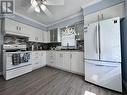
x=102, y=54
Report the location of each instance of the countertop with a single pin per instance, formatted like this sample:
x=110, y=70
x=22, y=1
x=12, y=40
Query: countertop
x=59, y=50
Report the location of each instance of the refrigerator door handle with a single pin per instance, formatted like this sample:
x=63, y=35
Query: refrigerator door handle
x=99, y=65
x=99, y=38
x=96, y=39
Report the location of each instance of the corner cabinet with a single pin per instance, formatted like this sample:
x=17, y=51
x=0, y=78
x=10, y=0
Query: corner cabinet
x=71, y=61
x=111, y=12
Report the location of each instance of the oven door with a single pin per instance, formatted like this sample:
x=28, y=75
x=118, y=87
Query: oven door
x=23, y=60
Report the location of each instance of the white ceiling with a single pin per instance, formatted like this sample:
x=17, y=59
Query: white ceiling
x=70, y=7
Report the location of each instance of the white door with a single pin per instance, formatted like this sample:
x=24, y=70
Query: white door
x=110, y=47
x=104, y=74
x=91, y=42
x=77, y=65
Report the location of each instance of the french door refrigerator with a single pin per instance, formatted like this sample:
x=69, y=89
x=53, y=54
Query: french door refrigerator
x=102, y=54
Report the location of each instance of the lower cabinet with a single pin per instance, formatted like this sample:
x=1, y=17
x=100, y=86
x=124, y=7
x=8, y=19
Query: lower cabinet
x=71, y=61
x=51, y=58
x=38, y=59
x=77, y=65
x=42, y=58
x=63, y=60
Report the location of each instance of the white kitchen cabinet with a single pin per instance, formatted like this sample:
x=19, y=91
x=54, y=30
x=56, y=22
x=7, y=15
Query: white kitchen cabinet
x=71, y=61
x=60, y=60
x=111, y=12
x=46, y=36
x=63, y=60
x=42, y=58
x=115, y=11
x=66, y=61
x=91, y=18
x=36, y=35
x=77, y=65
x=35, y=60
x=38, y=59
x=51, y=58
x=15, y=28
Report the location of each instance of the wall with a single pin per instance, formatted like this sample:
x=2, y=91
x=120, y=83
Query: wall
x=100, y=5
x=68, y=21
x=124, y=47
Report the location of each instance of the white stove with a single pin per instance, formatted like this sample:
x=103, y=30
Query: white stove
x=13, y=46
x=16, y=60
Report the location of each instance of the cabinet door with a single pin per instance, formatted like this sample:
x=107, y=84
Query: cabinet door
x=43, y=58
x=51, y=58
x=77, y=65
x=11, y=26
x=46, y=36
x=35, y=60
x=59, y=63
x=91, y=18
x=115, y=11
x=23, y=29
x=63, y=60
x=66, y=61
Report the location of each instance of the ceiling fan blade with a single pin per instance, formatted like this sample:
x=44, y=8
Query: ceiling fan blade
x=54, y=2
x=37, y=9
x=46, y=10
x=34, y=3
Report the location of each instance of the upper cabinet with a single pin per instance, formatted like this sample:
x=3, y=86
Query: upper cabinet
x=36, y=35
x=46, y=36
x=114, y=11
x=14, y=28
x=55, y=35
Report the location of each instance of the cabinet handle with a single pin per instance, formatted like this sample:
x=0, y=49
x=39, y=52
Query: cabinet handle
x=16, y=27
x=71, y=56
x=20, y=28
x=36, y=63
x=102, y=16
x=98, y=17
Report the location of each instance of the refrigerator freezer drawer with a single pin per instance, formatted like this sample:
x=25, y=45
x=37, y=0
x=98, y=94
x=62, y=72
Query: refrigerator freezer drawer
x=104, y=74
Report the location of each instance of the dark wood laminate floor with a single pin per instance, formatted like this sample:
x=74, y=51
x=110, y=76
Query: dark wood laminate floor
x=50, y=81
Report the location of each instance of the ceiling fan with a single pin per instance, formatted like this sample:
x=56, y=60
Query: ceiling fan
x=39, y=5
